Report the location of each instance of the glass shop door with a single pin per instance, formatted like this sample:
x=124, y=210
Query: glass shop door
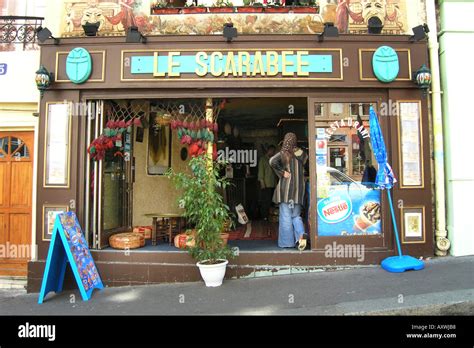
x=109, y=183
x=345, y=208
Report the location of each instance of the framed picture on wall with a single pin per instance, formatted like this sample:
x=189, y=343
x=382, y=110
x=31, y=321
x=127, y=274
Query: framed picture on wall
x=49, y=216
x=57, y=145
x=413, y=224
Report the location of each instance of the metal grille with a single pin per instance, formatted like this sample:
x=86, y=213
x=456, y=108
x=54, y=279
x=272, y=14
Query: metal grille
x=19, y=30
x=126, y=109
x=191, y=109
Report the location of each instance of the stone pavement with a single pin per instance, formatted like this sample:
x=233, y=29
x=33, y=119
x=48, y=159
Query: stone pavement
x=445, y=286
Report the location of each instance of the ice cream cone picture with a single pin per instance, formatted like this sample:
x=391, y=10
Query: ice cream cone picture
x=369, y=215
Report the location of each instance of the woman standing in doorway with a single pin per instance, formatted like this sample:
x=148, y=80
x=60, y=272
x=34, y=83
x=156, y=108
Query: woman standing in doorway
x=288, y=164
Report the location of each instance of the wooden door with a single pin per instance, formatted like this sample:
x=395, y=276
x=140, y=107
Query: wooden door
x=16, y=180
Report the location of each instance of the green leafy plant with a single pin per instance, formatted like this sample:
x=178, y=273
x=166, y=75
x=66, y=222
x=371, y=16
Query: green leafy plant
x=204, y=207
x=223, y=3
x=252, y=3
x=277, y=3
x=159, y=5
x=307, y=2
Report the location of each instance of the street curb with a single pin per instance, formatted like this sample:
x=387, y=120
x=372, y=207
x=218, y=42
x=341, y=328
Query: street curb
x=456, y=308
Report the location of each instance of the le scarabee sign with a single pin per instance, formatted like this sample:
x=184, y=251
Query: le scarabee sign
x=233, y=63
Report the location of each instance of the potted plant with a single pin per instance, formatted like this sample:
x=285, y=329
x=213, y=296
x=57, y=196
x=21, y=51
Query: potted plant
x=251, y=6
x=160, y=8
x=277, y=7
x=204, y=207
x=194, y=9
x=306, y=6
x=222, y=6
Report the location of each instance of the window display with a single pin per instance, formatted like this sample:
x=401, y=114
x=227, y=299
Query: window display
x=347, y=202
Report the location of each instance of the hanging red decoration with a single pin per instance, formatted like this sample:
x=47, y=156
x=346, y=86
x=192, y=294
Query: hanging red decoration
x=111, y=138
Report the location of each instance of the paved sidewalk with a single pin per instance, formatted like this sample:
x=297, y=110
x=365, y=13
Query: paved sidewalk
x=445, y=286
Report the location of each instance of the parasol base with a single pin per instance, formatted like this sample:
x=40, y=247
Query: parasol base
x=399, y=264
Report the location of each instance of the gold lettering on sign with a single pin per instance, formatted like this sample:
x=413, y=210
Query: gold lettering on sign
x=172, y=64
x=156, y=73
x=201, y=70
x=285, y=63
x=230, y=65
x=244, y=59
x=272, y=63
x=300, y=63
x=214, y=56
x=258, y=64
x=264, y=63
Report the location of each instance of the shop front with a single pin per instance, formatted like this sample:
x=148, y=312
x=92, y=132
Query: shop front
x=254, y=89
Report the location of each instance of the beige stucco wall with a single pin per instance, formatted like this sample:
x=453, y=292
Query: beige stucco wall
x=154, y=193
x=18, y=102
x=456, y=50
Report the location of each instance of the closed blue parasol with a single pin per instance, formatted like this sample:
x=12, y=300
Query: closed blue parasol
x=385, y=180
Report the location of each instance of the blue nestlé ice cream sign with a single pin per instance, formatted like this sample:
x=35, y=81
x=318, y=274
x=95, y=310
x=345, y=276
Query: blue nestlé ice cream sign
x=349, y=210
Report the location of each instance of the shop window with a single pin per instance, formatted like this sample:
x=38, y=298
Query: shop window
x=347, y=202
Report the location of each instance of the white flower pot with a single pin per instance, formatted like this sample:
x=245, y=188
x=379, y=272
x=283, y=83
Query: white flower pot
x=213, y=275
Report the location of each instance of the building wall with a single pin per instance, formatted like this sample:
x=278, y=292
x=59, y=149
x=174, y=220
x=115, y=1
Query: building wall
x=18, y=101
x=18, y=84
x=456, y=51
x=154, y=193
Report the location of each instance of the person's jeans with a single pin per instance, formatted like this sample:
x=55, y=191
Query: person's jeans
x=291, y=226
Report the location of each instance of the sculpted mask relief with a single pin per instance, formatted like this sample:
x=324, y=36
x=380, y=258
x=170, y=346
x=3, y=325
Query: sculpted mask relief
x=374, y=8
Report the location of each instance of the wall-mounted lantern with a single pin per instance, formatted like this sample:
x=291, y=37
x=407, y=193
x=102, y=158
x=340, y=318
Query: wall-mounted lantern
x=422, y=77
x=43, y=79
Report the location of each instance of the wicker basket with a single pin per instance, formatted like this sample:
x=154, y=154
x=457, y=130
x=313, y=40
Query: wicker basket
x=185, y=240
x=145, y=230
x=127, y=240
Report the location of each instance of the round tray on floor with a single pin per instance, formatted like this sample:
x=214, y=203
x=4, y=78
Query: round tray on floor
x=127, y=240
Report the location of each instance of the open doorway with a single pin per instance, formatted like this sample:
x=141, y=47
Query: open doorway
x=127, y=186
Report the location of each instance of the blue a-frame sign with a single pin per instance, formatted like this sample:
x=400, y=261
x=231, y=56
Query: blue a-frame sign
x=68, y=245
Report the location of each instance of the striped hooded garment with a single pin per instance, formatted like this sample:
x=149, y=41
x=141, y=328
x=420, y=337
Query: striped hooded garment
x=292, y=160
